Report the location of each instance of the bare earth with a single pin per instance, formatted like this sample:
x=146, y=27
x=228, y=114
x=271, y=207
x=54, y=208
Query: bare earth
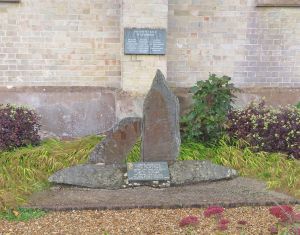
x=139, y=221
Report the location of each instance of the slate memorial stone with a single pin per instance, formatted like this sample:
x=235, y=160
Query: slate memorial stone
x=118, y=143
x=160, y=132
x=148, y=171
x=144, y=41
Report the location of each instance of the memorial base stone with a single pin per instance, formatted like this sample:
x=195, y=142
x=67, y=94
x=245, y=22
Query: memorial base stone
x=116, y=177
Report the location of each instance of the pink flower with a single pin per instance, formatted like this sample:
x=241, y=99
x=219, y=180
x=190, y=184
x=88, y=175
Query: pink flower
x=296, y=231
x=213, y=210
x=242, y=222
x=284, y=212
x=273, y=230
x=222, y=227
x=296, y=217
x=189, y=220
x=224, y=221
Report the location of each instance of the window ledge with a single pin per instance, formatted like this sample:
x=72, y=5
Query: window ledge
x=16, y=1
x=278, y=3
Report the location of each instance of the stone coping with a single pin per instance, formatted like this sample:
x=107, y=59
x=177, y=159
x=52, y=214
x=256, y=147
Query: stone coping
x=229, y=193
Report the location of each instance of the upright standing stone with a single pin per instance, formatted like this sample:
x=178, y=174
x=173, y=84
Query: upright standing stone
x=118, y=143
x=160, y=132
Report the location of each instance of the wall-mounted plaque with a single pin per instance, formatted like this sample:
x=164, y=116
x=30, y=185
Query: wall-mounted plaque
x=144, y=41
x=148, y=171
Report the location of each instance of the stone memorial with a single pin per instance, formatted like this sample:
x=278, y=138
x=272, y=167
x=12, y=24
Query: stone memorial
x=144, y=41
x=118, y=143
x=160, y=133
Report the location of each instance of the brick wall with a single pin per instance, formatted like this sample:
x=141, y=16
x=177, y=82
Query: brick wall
x=79, y=42
x=60, y=43
x=256, y=46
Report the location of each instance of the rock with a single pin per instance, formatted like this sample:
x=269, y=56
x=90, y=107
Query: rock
x=118, y=142
x=90, y=176
x=160, y=132
x=190, y=172
x=112, y=176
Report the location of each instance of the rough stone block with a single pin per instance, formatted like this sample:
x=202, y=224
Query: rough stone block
x=118, y=143
x=160, y=133
x=191, y=172
x=90, y=176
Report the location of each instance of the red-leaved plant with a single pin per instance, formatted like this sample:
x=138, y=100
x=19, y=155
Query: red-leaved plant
x=267, y=129
x=19, y=126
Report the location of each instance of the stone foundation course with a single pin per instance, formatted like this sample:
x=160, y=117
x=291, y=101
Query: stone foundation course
x=231, y=193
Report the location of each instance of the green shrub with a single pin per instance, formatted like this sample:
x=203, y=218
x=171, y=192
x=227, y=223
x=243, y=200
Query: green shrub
x=212, y=102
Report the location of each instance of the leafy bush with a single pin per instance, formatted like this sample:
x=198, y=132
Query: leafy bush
x=19, y=126
x=212, y=101
x=266, y=128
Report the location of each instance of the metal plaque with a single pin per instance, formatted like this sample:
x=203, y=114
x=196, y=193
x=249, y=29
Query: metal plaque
x=145, y=41
x=148, y=171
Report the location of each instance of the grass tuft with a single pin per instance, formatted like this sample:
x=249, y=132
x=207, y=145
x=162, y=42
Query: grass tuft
x=135, y=154
x=279, y=172
x=27, y=169
x=22, y=214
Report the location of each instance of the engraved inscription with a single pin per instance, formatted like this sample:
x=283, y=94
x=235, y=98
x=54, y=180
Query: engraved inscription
x=148, y=171
x=145, y=41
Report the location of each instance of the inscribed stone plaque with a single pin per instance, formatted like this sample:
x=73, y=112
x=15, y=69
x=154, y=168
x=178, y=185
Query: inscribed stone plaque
x=148, y=171
x=145, y=41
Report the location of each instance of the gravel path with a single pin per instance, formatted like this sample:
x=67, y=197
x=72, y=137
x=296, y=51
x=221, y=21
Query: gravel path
x=232, y=193
x=139, y=221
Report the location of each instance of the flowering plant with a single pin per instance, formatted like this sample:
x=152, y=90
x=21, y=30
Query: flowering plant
x=288, y=220
x=189, y=220
x=213, y=211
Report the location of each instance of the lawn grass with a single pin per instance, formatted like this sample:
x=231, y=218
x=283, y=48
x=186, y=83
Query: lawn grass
x=26, y=170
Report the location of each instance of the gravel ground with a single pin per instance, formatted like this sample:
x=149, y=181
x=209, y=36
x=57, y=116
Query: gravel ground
x=139, y=221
